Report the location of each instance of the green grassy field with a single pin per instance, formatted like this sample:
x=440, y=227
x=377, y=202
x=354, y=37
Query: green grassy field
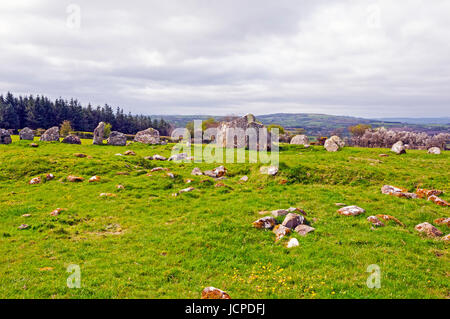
x=145, y=243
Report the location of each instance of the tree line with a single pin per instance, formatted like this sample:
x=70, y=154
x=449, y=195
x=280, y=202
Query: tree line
x=17, y=112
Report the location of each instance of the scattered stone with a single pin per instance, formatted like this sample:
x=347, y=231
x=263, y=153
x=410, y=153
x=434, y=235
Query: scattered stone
x=157, y=169
x=280, y=231
x=179, y=157
x=99, y=134
x=118, y=154
x=267, y=222
x=300, y=140
x=171, y=175
x=26, y=134
x=156, y=158
x=425, y=193
x=56, y=212
x=351, y=210
x=428, y=229
x=244, y=179
x=35, y=180
x=34, y=145
x=284, y=212
x=94, y=179
x=26, y=215
x=107, y=195
x=375, y=221
x=443, y=221
x=196, y=172
x=117, y=138
x=80, y=155
x=120, y=187
x=339, y=204
x=74, y=179
x=49, y=176
x=220, y=171
x=398, y=148
x=214, y=293
x=5, y=137
x=438, y=201
x=186, y=190
x=383, y=155
x=122, y=173
x=446, y=237
x=395, y=191
x=304, y=229
x=148, y=136
x=293, y=242
x=269, y=170
x=292, y=220
x=219, y=185
x=71, y=139
x=23, y=226
x=188, y=181
x=51, y=135
x=129, y=152
x=334, y=144
x=434, y=150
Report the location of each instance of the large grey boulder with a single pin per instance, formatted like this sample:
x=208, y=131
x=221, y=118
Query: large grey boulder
x=334, y=144
x=300, y=140
x=117, y=138
x=5, y=137
x=99, y=134
x=243, y=132
x=398, y=148
x=148, y=136
x=51, y=135
x=71, y=139
x=26, y=134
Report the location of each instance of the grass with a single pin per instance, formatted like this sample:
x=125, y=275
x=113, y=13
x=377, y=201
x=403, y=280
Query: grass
x=145, y=243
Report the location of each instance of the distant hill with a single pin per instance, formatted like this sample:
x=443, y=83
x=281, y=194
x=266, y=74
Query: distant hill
x=431, y=120
x=323, y=124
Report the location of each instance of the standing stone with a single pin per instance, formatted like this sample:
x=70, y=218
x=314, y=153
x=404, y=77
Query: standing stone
x=117, y=138
x=398, y=148
x=148, y=136
x=300, y=140
x=71, y=139
x=99, y=134
x=334, y=144
x=51, y=135
x=5, y=137
x=434, y=150
x=26, y=134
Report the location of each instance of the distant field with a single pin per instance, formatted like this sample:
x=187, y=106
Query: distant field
x=145, y=243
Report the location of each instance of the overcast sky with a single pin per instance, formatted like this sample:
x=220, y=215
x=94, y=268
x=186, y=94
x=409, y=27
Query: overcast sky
x=363, y=58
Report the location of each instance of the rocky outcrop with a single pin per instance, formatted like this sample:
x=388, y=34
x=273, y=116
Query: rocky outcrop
x=398, y=148
x=5, y=137
x=334, y=144
x=99, y=133
x=117, y=138
x=51, y=135
x=300, y=140
x=148, y=136
x=71, y=139
x=243, y=132
x=26, y=134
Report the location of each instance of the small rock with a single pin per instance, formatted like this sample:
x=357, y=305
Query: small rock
x=375, y=221
x=80, y=155
x=34, y=145
x=196, y=172
x=56, y=212
x=434, y=150
x=438, y=201
x=339, y=204
x=269, y=170
x=157, y=169
x=443, y=221
x=49, y=176
x=244, y=179
x=26, y=215
x=94, y=179
x=446, y=237
x=120, y=187
x=351, y=210
x=220, y=171
x=304, y=229
x=179, y=157
x=383, y=155
x=129, y=152
x=280, y=231
x=74, y=179
x=388, y=218
x=156, y=157
x=107, y=195
x=428, y=229
x=186, y=190
x=35, y=180
x=267, y=222
x=214, y=293
x=425, y=193
x=292, y=220
x=398, y=148
x=71, y=139
x=219, y=185
x=23, y=226
x=293, y=242
x=171, y=175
